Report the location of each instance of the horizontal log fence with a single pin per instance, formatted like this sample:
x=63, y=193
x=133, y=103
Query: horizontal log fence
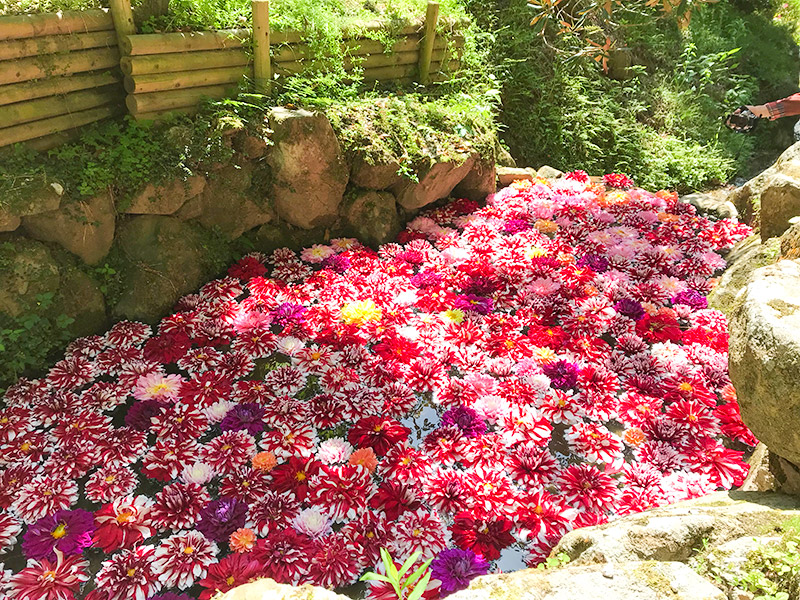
x=59, y=72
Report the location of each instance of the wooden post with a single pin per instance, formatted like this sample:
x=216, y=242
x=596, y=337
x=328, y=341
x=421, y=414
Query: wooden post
x=426, y=52
x=262, y=68
x=123, y=17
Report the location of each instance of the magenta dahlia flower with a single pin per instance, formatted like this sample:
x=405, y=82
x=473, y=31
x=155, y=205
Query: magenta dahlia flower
x=466, y=419
x=455, y=568
x=69, y=531
x=220, y=518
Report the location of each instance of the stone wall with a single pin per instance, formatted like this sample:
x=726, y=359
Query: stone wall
x=293, y=187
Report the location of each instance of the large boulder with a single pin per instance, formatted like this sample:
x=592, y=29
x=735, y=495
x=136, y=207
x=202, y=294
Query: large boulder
x=374, y=175
x=84, y=227
x=268, y=589
x=9, y=222
x=309, y=173
x=715, y=204
x=372, y=217
x=479, y=182
x=27, y=270
x=548, y=172
x=764, y=356
x=32, y=198
x=80, y=298
x=743, y=260
x=676, y=532
x=780, y=201
x=784, y=176
x=625, y=581
x=164, y=259
x=508, y=175
x=436, y=181
x=229, y=202
x=790, y=242
x=165, y=199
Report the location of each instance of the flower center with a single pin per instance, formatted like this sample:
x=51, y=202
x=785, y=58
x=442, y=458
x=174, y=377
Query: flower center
x=230, y=580
x=131, y=571
x=300, y=476
x=188, y=550
x=60, y=531
x=125, y=516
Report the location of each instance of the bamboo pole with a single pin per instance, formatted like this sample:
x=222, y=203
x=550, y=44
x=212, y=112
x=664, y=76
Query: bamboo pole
x=262, y=67
x=182, y=61
x=36, y=67
x=30, y=90
x=160, y=82
x=163, y=43
x=53, y=44
x=431, y=17
x=144, y=103
x=29, y=131
x=68, y=21
x=122, y=14
x=43, y=108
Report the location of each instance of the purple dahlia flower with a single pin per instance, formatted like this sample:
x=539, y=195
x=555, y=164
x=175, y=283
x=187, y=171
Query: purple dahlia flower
x=425, y=279
x=478, y=304
x=629, y=308
x=247, y=417
x=138, y=415
x=287, y=314
x=337, y=263
x=69, y=531
x=563, y=375
x=595, y=262
x=466, y=419
x=691, y=298
x=220, y=518
x=455, y=568
x=517, y=225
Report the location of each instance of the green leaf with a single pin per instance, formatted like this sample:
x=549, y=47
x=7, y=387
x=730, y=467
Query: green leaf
x=371, y=576
x=388, y=563
x=408, y=564
x=417, y=574
x=420, y=587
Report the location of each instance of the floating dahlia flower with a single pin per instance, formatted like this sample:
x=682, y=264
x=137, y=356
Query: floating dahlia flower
x=563, y=374
x=139, y=414
x=587, y=487
x=155, y=386
x=455, y=568
x=247, y=417
x=377, y=433
x=10, y=528
x=288, y=314
x=691, y=298
x=334, y=451
x=242, y=540
x=178, y=506
x=50, y=580
x=466, y=419
x=486, y=537
x=122, y=523
x=334, y=564
x=109, y=483
x=284, y=555
x=220, y=518
x=129, y=574
x=618, y=180
x=595, y=262
x=232, y=571
x=44, y=496
x=183, y=558
x=69, y=531
x=312, y=522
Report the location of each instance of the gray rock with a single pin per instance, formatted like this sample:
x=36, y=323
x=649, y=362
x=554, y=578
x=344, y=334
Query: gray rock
x=760, y=477
x=268, y=589
x=84, y=227
x=677, y=532
x=508, y=175
x=743, y=260
x=229, y=202
x=372, y=217
x=780, y=201
x=165, y=199
x=764, y=356
x=435, y=182
x=503, y=157
x=479, y=182
x=309, y=171
x=548, y=172
x=165, y=260
x=714, y=204
x=639, y=580
x=9, y=222
x=29, y=269
x=790, y=242
x=80, y=298
x=377, y=176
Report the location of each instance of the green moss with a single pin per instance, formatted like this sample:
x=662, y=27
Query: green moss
x=650, y=574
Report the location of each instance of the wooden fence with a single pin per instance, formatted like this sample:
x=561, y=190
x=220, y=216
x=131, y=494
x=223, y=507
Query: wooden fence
x=60, y=72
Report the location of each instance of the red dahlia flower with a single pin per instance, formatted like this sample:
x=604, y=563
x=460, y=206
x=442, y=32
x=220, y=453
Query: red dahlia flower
x=377, y=433
x=486, y=537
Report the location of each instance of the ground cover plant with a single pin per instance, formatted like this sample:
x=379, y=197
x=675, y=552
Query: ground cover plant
x=498, y=376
